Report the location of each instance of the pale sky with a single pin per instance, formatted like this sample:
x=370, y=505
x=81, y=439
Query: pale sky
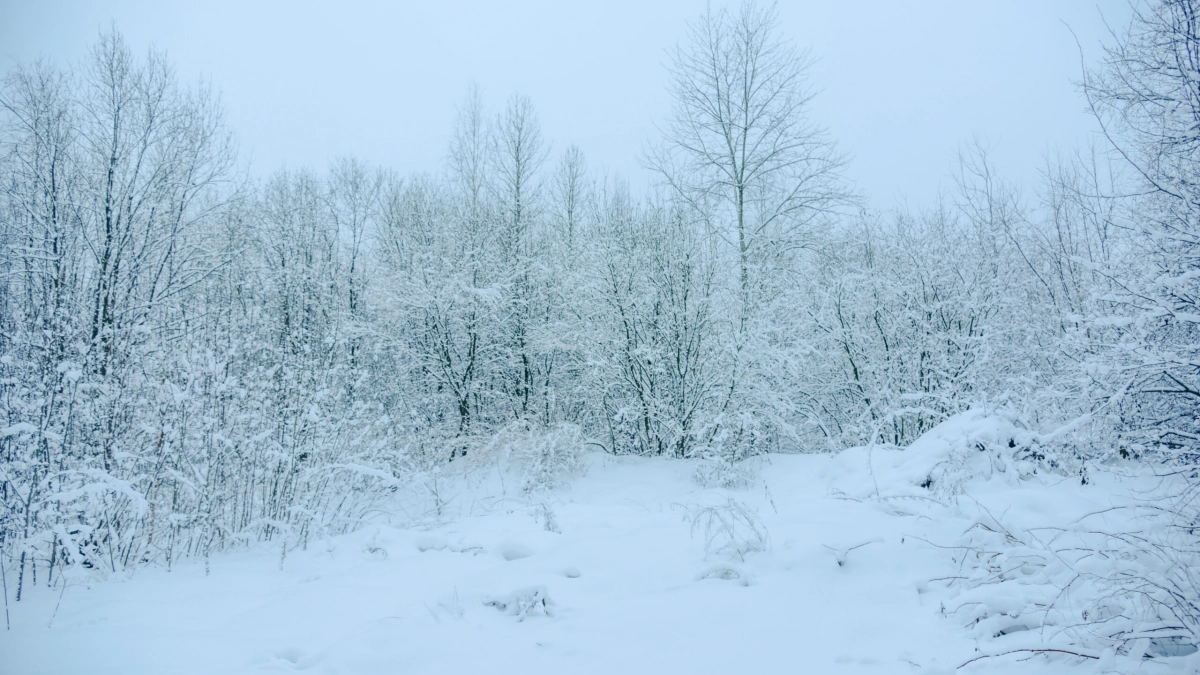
x=902, y=85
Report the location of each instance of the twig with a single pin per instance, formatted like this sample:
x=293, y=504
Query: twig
x=56, y=605
x=4, y=579
x=1042, y=650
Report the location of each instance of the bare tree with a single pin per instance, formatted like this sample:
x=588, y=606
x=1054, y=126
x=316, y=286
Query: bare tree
x=43, y=245
x=741, y=151
x=656, y=343
x=740, y=138
x=469, y=152
x=519, y=154
x=570, y=191
x=353, y=200
x=1147, y=100
x=151, y=153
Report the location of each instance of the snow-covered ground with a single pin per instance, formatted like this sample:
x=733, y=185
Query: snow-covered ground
x=632, y=568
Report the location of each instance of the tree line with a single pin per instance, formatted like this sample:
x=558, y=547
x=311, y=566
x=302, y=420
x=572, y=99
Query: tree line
x=192, y=359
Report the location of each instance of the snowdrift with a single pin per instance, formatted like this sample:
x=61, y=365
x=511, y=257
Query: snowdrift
x=971, y=446
x=1051, y=559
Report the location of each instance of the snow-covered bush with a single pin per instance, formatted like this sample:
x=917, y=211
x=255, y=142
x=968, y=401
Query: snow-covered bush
x=1122, y=579
x=543, y=459
x=725, y=452
x=730, y=529
x=523, y=603
x=976, y=445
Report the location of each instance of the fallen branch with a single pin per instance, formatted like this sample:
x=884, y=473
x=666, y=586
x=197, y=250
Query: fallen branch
x=1043, y=650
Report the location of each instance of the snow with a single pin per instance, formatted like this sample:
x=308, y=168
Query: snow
x=647, y=573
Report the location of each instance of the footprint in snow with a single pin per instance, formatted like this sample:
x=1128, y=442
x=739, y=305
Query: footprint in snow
x=291, y=659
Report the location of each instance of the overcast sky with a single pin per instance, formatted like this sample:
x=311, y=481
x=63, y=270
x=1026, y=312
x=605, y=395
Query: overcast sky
x=902, y=84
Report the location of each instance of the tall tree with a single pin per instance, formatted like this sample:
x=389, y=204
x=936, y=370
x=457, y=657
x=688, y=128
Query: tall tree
x=469, y=153
x=570, y=190
x=741, y=150
x=519, y=154
x=740, y=139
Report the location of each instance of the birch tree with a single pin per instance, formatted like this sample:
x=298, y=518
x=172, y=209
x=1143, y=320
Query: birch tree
x=740, y=139
x=742, y=152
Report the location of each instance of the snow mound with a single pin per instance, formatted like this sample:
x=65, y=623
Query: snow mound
x=973, y=445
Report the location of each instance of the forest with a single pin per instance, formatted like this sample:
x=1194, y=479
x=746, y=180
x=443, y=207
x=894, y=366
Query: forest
x=196, y=360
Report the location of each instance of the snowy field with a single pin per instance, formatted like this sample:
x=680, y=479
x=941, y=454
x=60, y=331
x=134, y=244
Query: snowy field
x=820, y=564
